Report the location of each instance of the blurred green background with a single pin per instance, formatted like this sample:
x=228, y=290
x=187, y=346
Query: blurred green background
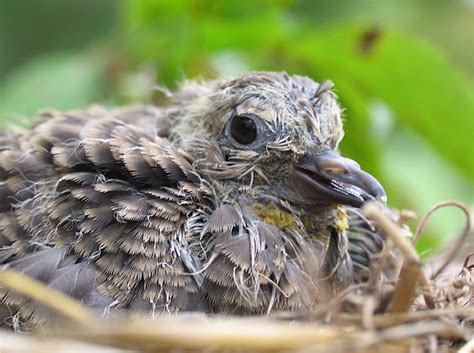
x=404, y=71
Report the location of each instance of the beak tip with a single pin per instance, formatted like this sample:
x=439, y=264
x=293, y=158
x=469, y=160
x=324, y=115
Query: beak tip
x=383, y=199
x=380, y=195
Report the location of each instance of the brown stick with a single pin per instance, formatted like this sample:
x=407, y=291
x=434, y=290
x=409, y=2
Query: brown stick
x=427, y=215
x=373, y=211
x=59, y=302
x=405, y=291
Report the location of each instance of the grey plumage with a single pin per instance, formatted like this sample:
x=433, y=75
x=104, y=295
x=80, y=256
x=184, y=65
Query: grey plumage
x=160, y=209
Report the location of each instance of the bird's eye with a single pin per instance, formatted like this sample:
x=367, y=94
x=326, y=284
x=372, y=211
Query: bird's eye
x=243, y=129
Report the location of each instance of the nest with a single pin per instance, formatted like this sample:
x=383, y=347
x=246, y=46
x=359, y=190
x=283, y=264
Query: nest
x=429, y=308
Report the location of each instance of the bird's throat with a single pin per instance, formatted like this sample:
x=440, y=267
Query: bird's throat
x=314, y=221
x=272, y=214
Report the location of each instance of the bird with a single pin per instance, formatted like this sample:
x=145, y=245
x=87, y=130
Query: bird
x=229, y=198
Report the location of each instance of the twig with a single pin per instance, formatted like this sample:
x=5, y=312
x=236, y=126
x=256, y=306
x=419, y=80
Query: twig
x=438, y=328
x=361, y=341
x=427, y=215
x=406, y=247
x=57, y=301
x=466, y=264
x=406, y=215
x=219, y=334
x=385, y=321
x=460, y=241
x=405, y=291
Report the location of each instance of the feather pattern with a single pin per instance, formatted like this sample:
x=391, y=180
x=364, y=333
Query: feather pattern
x=98, y=191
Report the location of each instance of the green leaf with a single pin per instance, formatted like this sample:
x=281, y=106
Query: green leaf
x=425, y=92
x=60, y=81
x=180, y=36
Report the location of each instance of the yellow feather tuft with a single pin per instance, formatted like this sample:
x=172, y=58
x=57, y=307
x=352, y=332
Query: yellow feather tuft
x=272, y=214
x=342, y=223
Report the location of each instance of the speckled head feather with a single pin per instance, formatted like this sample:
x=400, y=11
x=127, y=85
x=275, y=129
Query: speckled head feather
x=230, y=199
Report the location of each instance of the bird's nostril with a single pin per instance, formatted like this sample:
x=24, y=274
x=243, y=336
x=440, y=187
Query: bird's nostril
x=335, y=170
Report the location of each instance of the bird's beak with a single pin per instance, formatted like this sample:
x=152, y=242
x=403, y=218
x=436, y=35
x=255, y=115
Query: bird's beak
x=328, y=177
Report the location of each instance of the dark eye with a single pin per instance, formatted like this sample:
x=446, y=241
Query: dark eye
x=243, y=129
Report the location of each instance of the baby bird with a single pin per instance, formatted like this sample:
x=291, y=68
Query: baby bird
x=230, y=199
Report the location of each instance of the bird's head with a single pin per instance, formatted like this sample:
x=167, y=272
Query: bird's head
x=276, y=133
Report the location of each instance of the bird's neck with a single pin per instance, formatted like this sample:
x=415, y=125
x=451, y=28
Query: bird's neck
x=309, y=221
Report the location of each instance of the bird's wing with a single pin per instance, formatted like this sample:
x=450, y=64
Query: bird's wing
x=366, y=245
x=101, y=194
